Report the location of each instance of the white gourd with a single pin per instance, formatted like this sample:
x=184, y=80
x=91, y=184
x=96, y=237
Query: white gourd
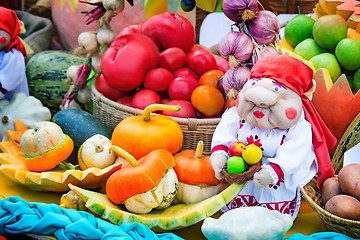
x=28, y=109
x=248, y=223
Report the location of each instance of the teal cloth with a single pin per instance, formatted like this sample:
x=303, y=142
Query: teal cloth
x=319, y=236
x=18, y=216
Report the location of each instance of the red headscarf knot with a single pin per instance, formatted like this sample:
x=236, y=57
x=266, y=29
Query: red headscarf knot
x=10, y=23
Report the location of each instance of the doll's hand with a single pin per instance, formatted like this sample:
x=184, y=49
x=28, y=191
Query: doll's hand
x=218, y=161
x=262, y=178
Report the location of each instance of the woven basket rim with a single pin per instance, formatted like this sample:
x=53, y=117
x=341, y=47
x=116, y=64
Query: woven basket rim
x=321, y=211
x=186, y=121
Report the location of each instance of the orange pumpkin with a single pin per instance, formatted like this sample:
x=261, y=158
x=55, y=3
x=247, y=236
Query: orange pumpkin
x=139, y=135
x=207, y=99
x=139, y=176
x=192, y=167
x=45, y=146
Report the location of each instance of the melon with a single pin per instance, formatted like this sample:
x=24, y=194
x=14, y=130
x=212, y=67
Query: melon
x=328, y=30
x=46, y=74
x=174, y=217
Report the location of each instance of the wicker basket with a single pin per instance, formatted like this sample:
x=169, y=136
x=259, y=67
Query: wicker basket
x=312, y=194
x=332, y=222
x=194, y=130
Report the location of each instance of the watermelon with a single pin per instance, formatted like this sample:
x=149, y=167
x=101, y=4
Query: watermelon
x=46, y=74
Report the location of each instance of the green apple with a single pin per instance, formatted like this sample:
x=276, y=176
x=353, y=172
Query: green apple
x=328, y=61
x=235, y=164
x=308, y=48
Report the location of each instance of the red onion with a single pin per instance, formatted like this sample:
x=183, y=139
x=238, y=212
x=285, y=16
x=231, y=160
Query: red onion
x=262, y=52
x=234, y=80
x=236, y=47
x=240, y=10
x=264, y=28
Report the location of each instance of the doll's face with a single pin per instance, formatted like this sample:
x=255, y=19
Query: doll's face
x=5, y=39
x=265, y=103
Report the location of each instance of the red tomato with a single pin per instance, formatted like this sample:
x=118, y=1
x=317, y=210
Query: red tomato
x=185, y=72
x=103, y=87
x=145, y=97
x=125, y=100
x=127, y=59
x=157, y=79
x=201, y=61
x=170, y=30
x=222, y=64
x=172, y=58
x=182, y=87
x=187, y=109
x=135, y=28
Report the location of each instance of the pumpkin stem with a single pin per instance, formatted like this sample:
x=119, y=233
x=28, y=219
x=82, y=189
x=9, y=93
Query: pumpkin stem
x=122, y=153
x=199, y=149
x=156, y=107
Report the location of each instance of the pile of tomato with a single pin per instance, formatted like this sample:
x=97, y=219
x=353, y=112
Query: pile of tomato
x=158, y=62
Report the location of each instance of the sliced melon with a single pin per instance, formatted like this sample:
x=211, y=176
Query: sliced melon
x=13, y=166
x=174, y=217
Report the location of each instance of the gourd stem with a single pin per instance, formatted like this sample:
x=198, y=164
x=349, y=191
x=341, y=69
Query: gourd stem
x=156, y=107
x=199, y=149
x=122, y=153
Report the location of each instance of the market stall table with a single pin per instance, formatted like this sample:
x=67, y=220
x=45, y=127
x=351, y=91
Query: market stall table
x=307, y=222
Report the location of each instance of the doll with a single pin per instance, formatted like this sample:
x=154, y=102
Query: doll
x=273, y=112
x=12, y=53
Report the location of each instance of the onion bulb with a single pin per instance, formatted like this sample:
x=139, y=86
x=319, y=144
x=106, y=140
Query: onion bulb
x=84, y=95
x=114, y=5
x=236, y=47
x=240, y=10
x=263, y=51
x=105, y=35
x=234, y=80
x=88, y=41
x=72, y=72
x=264, y=28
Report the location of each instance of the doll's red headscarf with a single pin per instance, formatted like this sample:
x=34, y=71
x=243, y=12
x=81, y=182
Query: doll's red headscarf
x=298, y=77
x=9, y=22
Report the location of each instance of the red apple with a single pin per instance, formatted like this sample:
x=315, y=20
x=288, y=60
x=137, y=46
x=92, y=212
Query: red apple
x=185, y=72
x=125, y=100
x=187, y=109
x=103, y=87
x=157, y=79
x=145, y=97
x=172, y=59
x=182, y=88
x=236, y=149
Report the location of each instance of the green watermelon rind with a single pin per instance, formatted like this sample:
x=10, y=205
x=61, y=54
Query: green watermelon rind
x=172, y=218
x=46, y=74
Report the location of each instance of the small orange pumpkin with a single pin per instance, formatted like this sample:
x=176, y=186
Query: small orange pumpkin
x=139, y=135
x=192, y=167
x=45, y=146
x=139, y=176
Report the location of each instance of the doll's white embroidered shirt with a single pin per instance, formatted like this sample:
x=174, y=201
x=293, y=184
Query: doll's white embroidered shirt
x=291, y=150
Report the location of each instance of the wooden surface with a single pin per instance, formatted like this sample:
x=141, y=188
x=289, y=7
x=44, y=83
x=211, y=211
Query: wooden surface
x=307, y=222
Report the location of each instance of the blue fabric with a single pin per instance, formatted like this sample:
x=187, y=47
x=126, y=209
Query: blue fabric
x=18, y=216
x=319, y=236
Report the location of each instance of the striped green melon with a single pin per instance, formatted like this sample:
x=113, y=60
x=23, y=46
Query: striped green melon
x=174, y=217
x=46, y=74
